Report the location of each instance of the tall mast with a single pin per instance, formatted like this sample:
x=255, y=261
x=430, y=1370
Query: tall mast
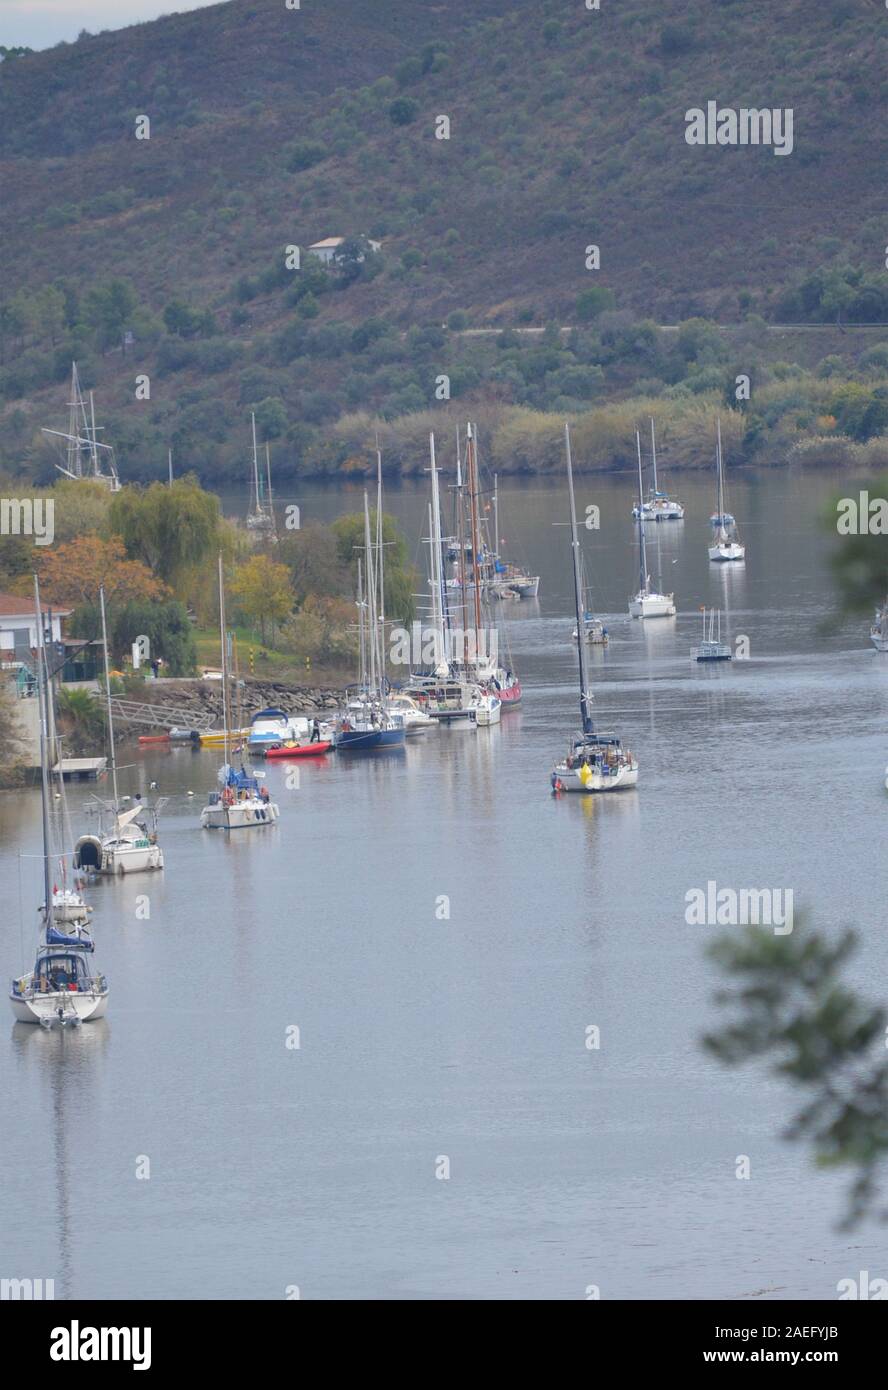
x=55, y=752
x=642, y=556
x=585, y=695
x=108, y=701
x=371, y=595
x=380, y=565
x=254, y=499
x=44, y=782
x=268, y=475
x=495, y=516
x=94, y=453
x=238, y=713
x=363, y=649
x=720, y=480
x=438, y=581
x=461, y=557
x=654, y=452
x=170, y=461
x=472, y=465
x=223, y=646
x=436, y=622
x=75, y=458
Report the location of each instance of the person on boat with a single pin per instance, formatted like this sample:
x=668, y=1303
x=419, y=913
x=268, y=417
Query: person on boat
x=264, y=794
x=315, y=731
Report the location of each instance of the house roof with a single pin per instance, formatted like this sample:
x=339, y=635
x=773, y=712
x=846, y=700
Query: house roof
x=11, y=606
x=328, y=241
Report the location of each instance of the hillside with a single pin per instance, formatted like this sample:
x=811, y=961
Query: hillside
x=272, y=127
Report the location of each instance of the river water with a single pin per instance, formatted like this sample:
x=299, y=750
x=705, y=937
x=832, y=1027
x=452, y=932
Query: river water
x=428, y=1039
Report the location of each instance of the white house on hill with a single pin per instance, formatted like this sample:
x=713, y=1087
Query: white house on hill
x=326, y=250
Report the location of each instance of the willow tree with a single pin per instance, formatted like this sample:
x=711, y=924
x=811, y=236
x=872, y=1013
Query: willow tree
x=171, y=529
x=401, y=581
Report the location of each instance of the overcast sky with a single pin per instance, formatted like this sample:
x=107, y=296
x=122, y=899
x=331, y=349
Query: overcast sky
x=41, y=23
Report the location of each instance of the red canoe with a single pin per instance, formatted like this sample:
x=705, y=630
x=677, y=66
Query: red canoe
x=154, y=738
x=299, y=750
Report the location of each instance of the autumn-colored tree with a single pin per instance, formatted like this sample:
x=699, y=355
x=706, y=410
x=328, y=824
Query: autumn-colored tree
x=312, y=556
x=261, y=591
x=74, y=573
x=323, y=630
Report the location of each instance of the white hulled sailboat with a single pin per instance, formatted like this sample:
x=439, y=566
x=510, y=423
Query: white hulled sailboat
x=127, y=839
x=648, y=602
x=596, y=762
x=64, y=987
x=727, y=547
x=260, y=517
x=241, y=804
x=659, y=506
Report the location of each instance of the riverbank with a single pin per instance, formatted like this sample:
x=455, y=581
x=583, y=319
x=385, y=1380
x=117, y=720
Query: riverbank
x=205, y=697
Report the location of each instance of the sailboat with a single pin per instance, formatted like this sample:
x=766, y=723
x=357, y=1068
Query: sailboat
x=596, y=762
x=507, y=579
x=241, y=804
x=260, y=517
x=68, y=903
x=593, y=629
x=484, y=666
x=83, y=458
x=647, y=603
x=128, y=845
x=879, y=629
x=726, y=547
x=64, y=987
x=712, y=648
x=366, y=724
x=659, y=506
x=451, y=691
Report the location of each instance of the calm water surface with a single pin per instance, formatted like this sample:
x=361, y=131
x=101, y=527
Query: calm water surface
x=465, y=1037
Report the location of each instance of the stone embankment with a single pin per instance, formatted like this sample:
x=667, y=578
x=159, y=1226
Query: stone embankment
x=206, y=695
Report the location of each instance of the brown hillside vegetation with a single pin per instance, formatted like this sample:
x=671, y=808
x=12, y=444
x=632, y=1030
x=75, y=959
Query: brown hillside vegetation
x=273, y=127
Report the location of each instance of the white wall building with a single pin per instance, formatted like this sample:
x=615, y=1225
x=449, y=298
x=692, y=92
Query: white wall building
x=18, y=627
x=326, y=250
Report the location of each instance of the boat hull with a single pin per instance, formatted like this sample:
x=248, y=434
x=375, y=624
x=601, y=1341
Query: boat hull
x=652, y=606
x=216, y=737
x=526, y=588
x=44, y=1008
x=300, y=750
x=510, y=695
x=99, y=857
x=724, y=554
x=243, y=815
x=565, y=779
x=486, y=715
x=132, y=861
x=367, y=740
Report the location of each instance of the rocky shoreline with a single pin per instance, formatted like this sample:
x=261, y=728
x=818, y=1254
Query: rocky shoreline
x=206, y=696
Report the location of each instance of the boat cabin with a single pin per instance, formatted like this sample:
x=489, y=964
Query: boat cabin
x=61, y=970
